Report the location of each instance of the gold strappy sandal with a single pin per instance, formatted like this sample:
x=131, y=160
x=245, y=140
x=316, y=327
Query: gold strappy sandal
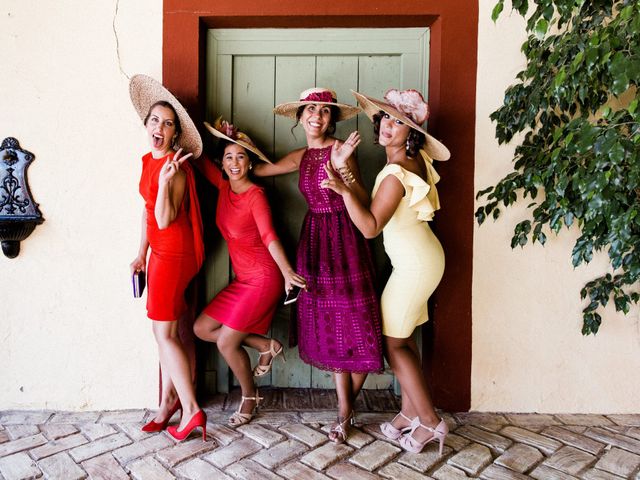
x=338, y=433
x=238, y=418
x=262, y=370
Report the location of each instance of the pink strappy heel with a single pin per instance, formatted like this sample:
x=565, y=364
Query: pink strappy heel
x=394, y=433
x=440, y=432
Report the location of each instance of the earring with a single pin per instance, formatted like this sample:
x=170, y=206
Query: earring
x=250, y=166
x=408, y=145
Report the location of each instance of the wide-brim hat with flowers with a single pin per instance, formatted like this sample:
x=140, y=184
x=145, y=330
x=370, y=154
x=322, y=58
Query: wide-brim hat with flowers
x=409, y=107
x=226, y=131
x=319, y=96
x=145, y=91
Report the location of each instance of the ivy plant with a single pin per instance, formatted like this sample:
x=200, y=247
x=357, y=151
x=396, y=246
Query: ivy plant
x=577, y=161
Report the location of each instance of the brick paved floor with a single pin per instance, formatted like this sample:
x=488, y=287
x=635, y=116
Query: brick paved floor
x=288, y=440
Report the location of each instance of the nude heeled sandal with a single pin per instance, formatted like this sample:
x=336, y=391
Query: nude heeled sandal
x=440, y=432
x=394, y=433
x=338, y=434
x=262, y=370
x=238, y=418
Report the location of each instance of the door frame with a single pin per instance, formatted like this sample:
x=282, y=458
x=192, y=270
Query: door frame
x=452, y=100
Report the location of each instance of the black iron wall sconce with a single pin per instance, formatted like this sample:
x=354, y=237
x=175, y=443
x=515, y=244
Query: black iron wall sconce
x=19, y=214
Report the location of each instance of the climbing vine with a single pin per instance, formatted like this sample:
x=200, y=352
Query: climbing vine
x=578, y=158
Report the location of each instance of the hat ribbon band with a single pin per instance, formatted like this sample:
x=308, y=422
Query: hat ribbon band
x=319, y=97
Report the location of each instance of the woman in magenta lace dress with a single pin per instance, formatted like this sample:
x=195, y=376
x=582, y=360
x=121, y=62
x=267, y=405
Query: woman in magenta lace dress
x=338, y=314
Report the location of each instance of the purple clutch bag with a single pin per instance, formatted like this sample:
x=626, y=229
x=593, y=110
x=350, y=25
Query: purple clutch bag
x=139, y=281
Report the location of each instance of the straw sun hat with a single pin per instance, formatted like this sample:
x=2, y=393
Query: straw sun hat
x=409, y=107
x=226, y=131
x=145, y=91
x=318, y=96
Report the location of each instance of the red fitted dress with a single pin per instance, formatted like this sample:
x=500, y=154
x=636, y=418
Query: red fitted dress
x=176, y=251
x=248, y=303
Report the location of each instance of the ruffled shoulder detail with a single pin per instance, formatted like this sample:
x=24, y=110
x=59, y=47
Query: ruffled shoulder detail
x=422, y=196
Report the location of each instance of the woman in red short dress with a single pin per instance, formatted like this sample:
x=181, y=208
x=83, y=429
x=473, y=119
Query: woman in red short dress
x=171, y=226
x=242, y=312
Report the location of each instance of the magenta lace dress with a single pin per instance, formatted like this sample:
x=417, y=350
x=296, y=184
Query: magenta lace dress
x=338, y=316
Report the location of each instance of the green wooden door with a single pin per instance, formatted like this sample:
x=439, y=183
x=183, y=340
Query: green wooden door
x=251, y=71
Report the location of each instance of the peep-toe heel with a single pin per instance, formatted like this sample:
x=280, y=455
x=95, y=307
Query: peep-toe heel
x=238, y=418
x=262, y=370
x=389, y=431
x=439, y=433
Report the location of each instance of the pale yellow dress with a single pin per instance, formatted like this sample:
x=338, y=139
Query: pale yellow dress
x=415, y=252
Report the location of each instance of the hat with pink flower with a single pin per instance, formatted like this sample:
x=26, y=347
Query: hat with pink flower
x=226, y=131
x=318, y=96
x=409, y=107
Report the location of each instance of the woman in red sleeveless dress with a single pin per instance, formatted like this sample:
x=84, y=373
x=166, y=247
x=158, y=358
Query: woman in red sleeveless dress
x=242, y=312
x=171, y=227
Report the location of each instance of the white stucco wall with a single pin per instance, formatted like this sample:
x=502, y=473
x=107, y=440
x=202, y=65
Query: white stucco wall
x=71, y=335
x=528, y=352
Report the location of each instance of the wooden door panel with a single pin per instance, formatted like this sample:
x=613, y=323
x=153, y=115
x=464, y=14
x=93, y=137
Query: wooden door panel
x=249, y=77
x=293, y=74
x=252, y=98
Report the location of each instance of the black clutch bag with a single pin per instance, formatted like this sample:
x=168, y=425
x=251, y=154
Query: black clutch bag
x=139, y=281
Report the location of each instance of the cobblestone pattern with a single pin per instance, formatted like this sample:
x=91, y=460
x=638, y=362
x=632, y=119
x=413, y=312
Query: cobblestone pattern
x=282, y=443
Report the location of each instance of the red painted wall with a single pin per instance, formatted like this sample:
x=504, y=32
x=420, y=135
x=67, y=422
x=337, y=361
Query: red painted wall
x=452, y=81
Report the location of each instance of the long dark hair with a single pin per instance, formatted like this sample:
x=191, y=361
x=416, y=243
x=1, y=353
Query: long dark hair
x=415, y=140
x=335, y=113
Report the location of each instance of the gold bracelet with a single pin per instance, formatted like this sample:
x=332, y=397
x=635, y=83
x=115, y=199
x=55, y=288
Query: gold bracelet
x=347, y=175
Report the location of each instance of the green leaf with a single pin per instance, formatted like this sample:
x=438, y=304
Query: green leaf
x=620, y=84
x=626, y=12
x=497, y=10
x=577, y=60
x=568, y=219
x=616, y=154
x=541, y=27
x=560, y=76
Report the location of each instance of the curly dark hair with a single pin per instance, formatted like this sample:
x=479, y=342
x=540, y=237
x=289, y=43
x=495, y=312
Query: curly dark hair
x=219, y=153
x=163, y=103
x=415, y=140
x=335, y=113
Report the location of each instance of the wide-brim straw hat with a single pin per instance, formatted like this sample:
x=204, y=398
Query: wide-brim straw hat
x=243, y=140
x=145, y=91
x=373, y=106
x=318, y=96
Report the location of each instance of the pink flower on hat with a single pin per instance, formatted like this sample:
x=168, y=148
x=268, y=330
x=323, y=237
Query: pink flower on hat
x=409, y=102
x=319, y=97
x=228, y=129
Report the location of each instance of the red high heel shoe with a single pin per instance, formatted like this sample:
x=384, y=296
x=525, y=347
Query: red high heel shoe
x=198, y=420
x=154, y=426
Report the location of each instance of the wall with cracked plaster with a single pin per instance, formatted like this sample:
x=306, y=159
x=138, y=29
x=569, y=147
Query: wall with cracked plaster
x=71, y=335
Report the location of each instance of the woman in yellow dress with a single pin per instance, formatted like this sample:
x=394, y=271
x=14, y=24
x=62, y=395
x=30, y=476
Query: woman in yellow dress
x=404, y=199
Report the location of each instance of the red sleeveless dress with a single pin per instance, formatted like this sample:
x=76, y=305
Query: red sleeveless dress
x=249, y=302
x=177, y=251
